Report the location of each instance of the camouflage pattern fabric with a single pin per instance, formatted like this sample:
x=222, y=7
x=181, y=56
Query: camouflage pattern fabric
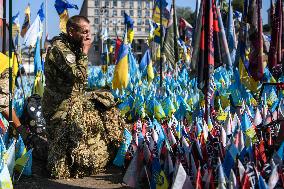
x=65, y=74
x=4, y=90
x=84, y=142
x=84, y=128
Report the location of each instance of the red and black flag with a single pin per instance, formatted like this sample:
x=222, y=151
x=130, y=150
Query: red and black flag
x=256, y=65
x=274, y=56
x=206, y=53
x=216, y=38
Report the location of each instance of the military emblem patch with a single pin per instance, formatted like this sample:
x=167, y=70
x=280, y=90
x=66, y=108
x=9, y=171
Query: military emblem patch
x=71, y=58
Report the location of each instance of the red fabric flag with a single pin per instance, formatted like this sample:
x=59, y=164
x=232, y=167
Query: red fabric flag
x=117, y=47
x=259, y=152
x=256, y=66
x=261, y=149
x=2, y=126
x=198, y=179
x=144, y=129
x=246, y=182
x=275, y=15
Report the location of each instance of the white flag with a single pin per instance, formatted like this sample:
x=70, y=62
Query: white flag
x=33, y=33
x=181, y=180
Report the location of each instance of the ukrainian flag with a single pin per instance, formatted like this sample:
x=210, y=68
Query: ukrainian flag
x=157, y=32
x=39, y=84
x=146, y=62
x=120, y=78
x=129, y=24
x=61, y=7
x=24, y=163
x=246, y=79
x=165, y=12
x=26, y=24
x=158, y=179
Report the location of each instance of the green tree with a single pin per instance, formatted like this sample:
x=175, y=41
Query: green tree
x=238, y=5
x=266, y=28
x=185, y=13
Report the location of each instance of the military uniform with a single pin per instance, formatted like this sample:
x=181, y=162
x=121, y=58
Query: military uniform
x=65, y=73
x=84, y=128
x=65, y=77
x=4, y=90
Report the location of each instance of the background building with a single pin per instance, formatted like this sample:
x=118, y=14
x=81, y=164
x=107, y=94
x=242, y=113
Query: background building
x=110, y=14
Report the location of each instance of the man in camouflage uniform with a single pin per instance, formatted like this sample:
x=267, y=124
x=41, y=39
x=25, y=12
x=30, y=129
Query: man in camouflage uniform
x=66, y=66
x=84, y=128
x=65, y=77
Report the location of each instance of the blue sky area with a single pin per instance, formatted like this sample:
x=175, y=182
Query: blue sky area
x=53, y=19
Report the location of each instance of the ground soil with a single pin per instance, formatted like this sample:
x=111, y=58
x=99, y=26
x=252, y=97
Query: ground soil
x=110, y=178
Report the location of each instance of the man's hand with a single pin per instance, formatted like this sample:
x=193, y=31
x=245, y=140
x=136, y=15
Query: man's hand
x=86, y=45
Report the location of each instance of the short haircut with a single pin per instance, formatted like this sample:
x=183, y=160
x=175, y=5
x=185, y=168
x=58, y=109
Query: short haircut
x=74, y=20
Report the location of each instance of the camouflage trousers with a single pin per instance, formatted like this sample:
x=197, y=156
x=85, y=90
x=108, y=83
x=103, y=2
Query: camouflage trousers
x=82, y=138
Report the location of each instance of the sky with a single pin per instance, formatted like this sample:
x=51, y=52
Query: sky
x=53, y=19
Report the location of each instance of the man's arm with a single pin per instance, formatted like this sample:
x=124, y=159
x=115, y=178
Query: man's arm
x=16, y=122
x=65, y=61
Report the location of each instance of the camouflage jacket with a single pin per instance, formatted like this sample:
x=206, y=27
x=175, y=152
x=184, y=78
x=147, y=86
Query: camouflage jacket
x=65, y=74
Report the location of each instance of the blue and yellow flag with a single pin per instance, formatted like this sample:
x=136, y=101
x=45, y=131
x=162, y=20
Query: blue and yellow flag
x=246, y=79
x=166, y=15
x=120, y=78
x=146, y=63
x=158, y=110
x=157, y=32
x=5, y=179
x=20, y=148
x=158, y=179
x=129, y=24
x=26, y=24
x=39, y=84
x=120, y=156
x=24, y=163
x=37, y=57
x=62, y=7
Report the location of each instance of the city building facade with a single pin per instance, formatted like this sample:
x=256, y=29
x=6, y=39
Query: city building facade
x=110, y=14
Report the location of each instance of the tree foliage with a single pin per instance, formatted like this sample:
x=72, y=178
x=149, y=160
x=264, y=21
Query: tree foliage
x=186, y=13
x=266, y=28
x=238, y=5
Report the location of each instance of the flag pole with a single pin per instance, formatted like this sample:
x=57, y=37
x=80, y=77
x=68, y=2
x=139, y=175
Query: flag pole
x=4, y=27
x=207, y=81
x=175, y=35
x=30, y=63
x=161, y=44
x=10, y=64
x=45, y=23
